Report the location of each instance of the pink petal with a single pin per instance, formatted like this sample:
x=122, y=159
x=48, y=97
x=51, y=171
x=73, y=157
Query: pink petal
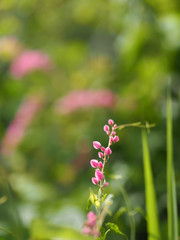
x=94, y=163
x=106, y=184
x=116, y=139
x=100, y=165
x=95, y=181
x=96, y=144
x=100, y=154
x=110, y=122
x=108, y=151
x=99, y=175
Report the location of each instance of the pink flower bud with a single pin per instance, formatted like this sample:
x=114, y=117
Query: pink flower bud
x=95, y=181
x=100, y=165
x=107, y=132
x=94, y=163
x=96, y=144
x=102, y=149
x=108, y=151
x=115, y=125
x=111, y=139
x=116, y=139
x=110, y=122
x=106, y=184
x=106, y=128
x=100, y=154
x=99, y=175
x=113, y=133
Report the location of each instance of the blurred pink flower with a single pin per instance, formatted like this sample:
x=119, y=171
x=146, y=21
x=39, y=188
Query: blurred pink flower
x=18, y=126
x=90, y=227
x=29, y=61
x=85, y=98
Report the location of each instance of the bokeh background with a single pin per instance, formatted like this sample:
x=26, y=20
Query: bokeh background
x=66, y=67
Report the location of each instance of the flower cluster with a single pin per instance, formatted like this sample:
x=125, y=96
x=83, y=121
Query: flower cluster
x=93, y=224
x=103, y=154
x=23, y=118
x=90, y=226
x=29, y=61
x=84, y=99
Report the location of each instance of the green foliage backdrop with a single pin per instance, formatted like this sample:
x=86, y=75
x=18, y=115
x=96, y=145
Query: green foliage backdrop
x=126, y=47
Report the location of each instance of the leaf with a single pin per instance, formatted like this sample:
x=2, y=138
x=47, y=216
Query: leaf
x=141, y=211
x=113, y=227
x=120, y=212
x=104, y=197
x=89, y=203
x=94, y=199
x=151, y=205
x=171, y=184
x=103, y=234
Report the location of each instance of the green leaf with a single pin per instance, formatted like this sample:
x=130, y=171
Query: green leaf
x=89, y=203
x=171, y=184
x=151, y=205
x=141, y=211
x=113, y=227
x=104, y=197
x=120, y=212
x=94, y=199
x=103, y=234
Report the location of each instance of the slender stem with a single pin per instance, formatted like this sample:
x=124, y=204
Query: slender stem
x=131, y=218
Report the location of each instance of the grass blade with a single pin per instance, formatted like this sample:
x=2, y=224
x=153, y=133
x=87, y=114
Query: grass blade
x=171, y=185
x=151, y=205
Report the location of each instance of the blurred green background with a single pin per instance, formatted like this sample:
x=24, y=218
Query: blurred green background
x=126, y=48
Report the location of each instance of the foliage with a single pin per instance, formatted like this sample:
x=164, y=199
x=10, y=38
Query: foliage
x=128, y=48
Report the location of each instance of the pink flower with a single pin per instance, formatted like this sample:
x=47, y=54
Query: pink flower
x=99, y=175
x=111, y=139
x=108, y=132
x=116, y=139
x=102, y=149
x=115, y=125
x=94, y=163
x=100, y=154
x=100, y=165
x=91, y=216
x=23, y=118
x=106, y=128
x=113, y=133
x=108, y=151
x=29, y=61
x=96, y=144
x=86, y=230
x=110, y=122
x=106, y=184
x=95, y=181
x=84, y=99
x=90, y=226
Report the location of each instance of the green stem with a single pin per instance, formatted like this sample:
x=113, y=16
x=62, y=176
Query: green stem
x=131, y=218
x=9, y=232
